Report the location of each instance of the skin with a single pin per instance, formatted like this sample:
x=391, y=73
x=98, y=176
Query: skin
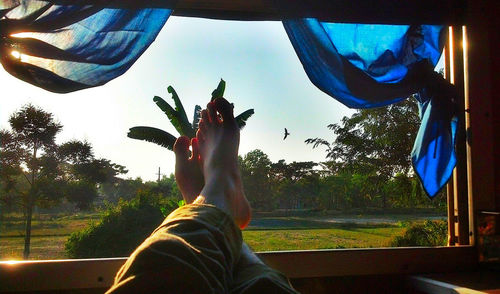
x=215, y=159
x=211, y=174
x=188, y=173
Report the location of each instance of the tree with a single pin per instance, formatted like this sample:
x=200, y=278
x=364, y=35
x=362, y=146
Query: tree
x=294, y=182
x=31, y=144
x=374, y=140
x=179, y=120
x=83, y=172
x=37, y=172
x=125, y=189
x=255, y=172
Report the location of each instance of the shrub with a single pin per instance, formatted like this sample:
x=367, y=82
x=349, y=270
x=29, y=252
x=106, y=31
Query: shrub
x=121, y=229
x=428, y=233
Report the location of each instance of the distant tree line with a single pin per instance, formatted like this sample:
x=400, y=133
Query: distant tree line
x=323, y=186
x=367, y=164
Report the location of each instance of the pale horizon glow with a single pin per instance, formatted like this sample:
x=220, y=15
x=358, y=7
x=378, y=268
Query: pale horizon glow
x=255, y=59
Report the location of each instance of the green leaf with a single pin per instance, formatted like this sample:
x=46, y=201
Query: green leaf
x=185, y=126
x=196, y=116
x=219, y=92
x=170, y=112
x=152, y=135
x=242, y=118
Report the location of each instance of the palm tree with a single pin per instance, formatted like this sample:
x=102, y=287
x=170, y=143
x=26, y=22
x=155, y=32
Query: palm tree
x=179, y=120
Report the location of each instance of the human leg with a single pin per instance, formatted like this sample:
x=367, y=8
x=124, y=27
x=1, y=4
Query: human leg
x=188, y=173
x=218, y=138
x=197, y=247
x=251, y=275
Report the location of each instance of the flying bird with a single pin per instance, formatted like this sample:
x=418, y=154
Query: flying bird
x=286, y=134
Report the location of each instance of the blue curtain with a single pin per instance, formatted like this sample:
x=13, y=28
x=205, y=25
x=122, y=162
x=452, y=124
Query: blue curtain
x=366, y=66
x=71, y=47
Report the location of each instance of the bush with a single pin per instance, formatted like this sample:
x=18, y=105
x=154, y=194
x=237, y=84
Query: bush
x=121, y=229
x=428, y=233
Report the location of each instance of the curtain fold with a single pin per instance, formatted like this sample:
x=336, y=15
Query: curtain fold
x=64, y=48
x=365, y=66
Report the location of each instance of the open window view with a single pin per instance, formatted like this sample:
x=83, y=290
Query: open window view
x=91, y=173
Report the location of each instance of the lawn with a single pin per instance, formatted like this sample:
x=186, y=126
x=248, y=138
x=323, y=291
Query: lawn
x=49, y=233
x=297, y=233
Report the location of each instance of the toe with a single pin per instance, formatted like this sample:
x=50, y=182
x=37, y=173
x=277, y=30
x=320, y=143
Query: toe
x=181, y=148
x=212, y=112
x=200, y=138
x=225, y=109
x=204, y=116
x=202, y=126
x=196, y=149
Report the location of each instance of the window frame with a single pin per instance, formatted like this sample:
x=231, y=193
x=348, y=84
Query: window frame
x=99, y=273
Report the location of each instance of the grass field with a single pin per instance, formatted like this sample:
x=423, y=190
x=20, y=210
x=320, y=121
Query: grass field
x=294, y=233
x=49, y=233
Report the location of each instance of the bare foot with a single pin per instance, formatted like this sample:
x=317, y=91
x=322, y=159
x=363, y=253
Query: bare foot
x=219, y=138
x=188, y=172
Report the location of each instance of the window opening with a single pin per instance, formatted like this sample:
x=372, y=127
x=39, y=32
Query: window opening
x=289, y=211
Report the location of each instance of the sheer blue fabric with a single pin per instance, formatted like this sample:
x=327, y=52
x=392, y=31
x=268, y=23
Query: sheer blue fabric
x=366, y=66
x=67, y=48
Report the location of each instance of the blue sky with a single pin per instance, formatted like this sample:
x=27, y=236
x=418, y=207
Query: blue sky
x=255, y=59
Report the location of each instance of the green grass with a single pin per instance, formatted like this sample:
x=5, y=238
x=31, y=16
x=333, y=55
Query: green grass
x=49, y=233
x=62, y=225
x=300, y=239
x=51, y=247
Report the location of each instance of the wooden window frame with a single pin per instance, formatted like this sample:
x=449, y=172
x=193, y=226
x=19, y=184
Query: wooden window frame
x=478, y=166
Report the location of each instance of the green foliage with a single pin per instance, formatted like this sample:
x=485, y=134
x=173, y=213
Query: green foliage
x=179, y=120
x=219, y=91
x=82, y=193
x=428, y=233
x=153, y=135
x=373, y=146
x=325, y=186
x=374, y=140
x=121, y=229
x=242, y=118
x=255, y=172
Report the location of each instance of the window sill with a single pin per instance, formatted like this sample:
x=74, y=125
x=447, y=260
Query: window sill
x=99, y=273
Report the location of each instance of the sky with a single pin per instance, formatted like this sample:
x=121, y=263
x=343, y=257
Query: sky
x=256, y=60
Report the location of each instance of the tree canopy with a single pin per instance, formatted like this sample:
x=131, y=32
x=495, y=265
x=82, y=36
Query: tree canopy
x=374, y=140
